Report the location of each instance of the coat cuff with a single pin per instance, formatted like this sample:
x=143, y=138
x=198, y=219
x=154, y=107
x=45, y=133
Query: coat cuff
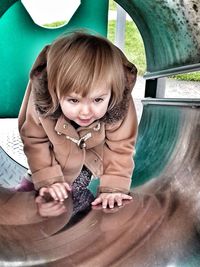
x=47, y=176
x=113, y=184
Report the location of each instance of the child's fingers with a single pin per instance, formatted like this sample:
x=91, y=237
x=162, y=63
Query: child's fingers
x=110, y=202
x=97, y=207
x=97, y=201
x=107, y=210
x=57, y=191
x=58, y=211
x=54, y=208
x=53, y=194
x=52, y=212
x=41, y=201
x=50, y=205
x=67, y=186
x=125, y=196
x=113, y=210
x=50, y=209
x=118, y=201
x=43, y=190
x=60, y=191
x=105, y=203
x=100, y=200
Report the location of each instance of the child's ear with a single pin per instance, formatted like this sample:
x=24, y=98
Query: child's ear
x=40, y=62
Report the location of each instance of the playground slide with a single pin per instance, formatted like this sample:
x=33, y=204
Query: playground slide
x=160, y=227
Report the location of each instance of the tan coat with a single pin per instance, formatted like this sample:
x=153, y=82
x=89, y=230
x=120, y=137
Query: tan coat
x=56, y=151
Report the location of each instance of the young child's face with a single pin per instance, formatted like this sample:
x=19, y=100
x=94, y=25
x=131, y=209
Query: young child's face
x=86, y=110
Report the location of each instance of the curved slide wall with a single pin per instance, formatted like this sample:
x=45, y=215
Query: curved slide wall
x=170, y=31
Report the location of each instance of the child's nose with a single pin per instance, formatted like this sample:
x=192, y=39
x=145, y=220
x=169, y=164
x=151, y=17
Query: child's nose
x=85, y=110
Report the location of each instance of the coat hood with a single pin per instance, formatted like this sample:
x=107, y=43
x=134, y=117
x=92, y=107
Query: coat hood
x=43, y=100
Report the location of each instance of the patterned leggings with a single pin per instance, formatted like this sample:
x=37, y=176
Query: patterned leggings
x=81, y=196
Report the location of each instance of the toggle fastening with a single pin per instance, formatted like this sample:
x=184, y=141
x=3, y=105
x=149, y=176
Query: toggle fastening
x=80, y=142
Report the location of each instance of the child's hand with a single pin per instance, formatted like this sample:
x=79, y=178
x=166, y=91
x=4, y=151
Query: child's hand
x=57, y=191
x=109, y=199
x=49, y=209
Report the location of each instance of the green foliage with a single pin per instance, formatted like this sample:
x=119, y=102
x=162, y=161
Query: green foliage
x=134, y=48
x=193, y=76
x=55, y=24
x=112, y=5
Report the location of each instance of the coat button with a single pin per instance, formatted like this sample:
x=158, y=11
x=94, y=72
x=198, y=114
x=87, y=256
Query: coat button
x=64, y=125
x=97, y=127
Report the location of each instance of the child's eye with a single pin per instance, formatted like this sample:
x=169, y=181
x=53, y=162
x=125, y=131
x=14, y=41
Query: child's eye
x=73, y=100
x=98, y=100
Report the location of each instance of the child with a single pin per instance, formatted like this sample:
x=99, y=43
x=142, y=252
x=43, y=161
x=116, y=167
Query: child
x=78, y=121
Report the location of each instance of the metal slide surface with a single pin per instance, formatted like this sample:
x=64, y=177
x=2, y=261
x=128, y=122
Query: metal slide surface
x=160, y=227
x=168, y=132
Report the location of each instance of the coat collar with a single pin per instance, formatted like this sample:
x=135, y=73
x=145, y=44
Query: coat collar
x=84, y=137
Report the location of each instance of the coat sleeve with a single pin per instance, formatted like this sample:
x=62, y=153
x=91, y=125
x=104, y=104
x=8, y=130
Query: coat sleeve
x=37, y=147
x=118, y=153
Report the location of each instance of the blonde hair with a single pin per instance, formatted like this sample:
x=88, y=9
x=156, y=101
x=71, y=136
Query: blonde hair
x=79, y=61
